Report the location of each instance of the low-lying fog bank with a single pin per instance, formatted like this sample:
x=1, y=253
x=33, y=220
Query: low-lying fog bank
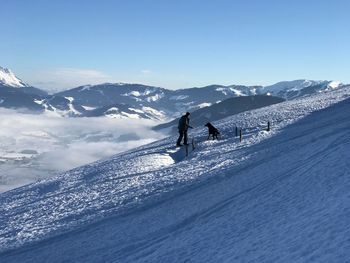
x=38, y=146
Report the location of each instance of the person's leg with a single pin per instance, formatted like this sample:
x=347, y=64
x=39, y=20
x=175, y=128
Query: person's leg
x=181, y=134
x=185, y=137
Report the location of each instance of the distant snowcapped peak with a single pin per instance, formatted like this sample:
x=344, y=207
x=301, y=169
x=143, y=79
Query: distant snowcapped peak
x=334, y=84
x=292, y=85
x=8, y=78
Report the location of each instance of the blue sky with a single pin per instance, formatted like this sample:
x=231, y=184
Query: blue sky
x=60, y=44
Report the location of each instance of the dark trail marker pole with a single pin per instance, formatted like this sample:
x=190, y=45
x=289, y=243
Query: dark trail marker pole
x=186, y=150
x=236, y=131
x=240, y=135
x=268, y=126
x=193, y=145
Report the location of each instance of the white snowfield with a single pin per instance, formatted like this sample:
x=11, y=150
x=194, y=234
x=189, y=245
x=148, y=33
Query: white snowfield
x=278, y=196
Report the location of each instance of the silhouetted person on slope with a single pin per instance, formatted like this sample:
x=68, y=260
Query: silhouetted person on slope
x=184, y=124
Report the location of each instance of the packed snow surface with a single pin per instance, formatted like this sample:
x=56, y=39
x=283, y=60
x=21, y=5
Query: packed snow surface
x=278, y=196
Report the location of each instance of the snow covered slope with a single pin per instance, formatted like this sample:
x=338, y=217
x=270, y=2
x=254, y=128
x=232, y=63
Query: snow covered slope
x=298, y=88
x=294, y=85
x=9, y=79
x=279, y=196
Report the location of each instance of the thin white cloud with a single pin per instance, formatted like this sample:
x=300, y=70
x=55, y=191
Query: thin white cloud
x=58, y=79
x=146, y=72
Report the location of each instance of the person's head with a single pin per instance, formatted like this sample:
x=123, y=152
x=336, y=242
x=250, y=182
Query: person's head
x=187, y=114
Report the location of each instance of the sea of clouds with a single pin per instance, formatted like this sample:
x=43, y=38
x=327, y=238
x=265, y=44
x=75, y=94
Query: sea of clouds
x=34, y=146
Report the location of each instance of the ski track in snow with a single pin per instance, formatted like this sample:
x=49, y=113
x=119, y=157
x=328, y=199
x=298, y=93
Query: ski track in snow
x=228, y=201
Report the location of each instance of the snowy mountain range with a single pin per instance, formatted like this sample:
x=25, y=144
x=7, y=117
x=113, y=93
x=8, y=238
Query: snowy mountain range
x=122, y=100
x=278, y=196
x=298, y=88
x=10, y=83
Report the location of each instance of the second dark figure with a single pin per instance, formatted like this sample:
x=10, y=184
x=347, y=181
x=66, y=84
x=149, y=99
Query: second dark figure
x=212, y=131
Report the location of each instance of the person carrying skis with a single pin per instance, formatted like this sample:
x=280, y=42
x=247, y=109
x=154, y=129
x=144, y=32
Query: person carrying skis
x=184, y=124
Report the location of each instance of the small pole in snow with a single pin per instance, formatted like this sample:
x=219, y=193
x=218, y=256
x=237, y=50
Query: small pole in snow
x=240, y=135
x=268, y=126
x=193, y=146
x=236, y=131
x=186, y=147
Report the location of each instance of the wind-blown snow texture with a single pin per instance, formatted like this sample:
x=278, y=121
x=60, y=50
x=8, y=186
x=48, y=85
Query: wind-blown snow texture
x=279, y=196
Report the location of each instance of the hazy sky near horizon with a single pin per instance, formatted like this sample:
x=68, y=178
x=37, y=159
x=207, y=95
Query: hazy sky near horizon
x=60, y=44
